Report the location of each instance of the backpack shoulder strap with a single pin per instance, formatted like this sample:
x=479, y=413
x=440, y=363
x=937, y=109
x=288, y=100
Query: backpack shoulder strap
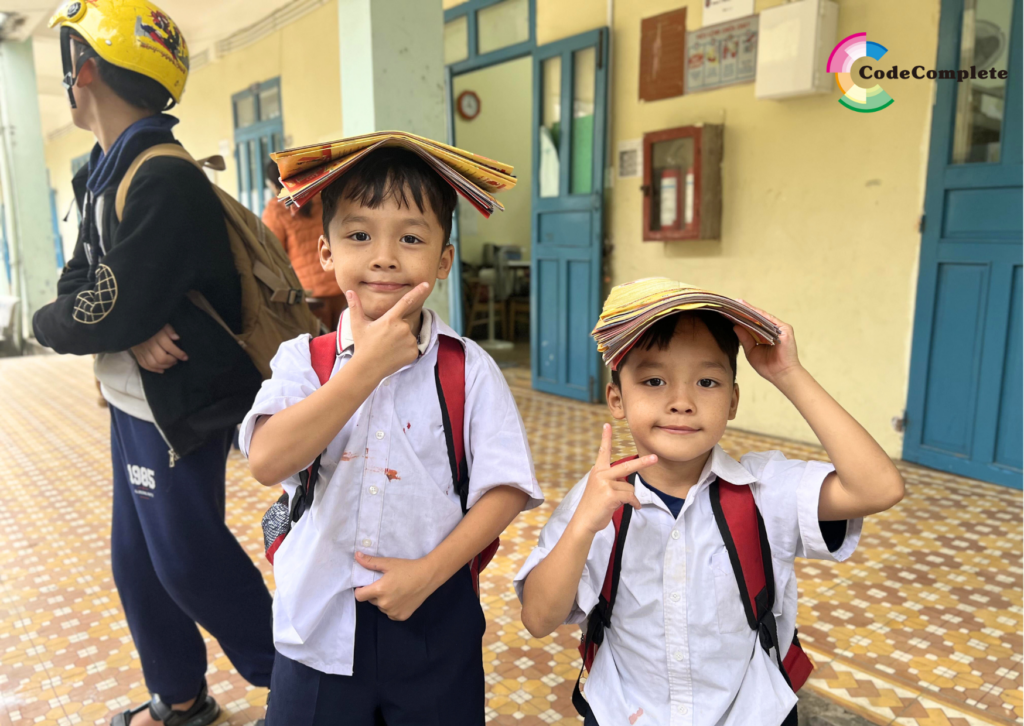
x=746, y=540
x=176, y=150
x=450, y=377
x=322, y=353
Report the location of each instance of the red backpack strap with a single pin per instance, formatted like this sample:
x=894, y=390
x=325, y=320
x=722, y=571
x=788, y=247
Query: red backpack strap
x=601, y=616
x=323, y=350
x=450, y=376
x=746, y=540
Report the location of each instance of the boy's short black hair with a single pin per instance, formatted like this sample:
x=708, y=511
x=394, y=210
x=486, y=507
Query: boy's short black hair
x=131, y=87
x=273, y=174
x=661, y=333
x=390, y=172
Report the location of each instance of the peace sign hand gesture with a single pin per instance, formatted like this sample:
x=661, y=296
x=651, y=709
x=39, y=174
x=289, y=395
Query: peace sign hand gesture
x=387, y=343
x=607, y=488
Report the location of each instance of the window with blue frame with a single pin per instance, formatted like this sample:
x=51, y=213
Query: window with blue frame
x=479, y=33
x=259, y=130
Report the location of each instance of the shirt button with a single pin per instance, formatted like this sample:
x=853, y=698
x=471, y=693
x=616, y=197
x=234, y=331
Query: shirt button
x=373, y=490
x=678, y=655
x=380, y=434
x=675, y=597
x=675, y=532
x=682, y=710
x=387, y=381
x=367, y=543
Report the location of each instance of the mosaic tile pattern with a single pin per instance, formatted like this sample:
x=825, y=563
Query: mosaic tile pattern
x=921, y=627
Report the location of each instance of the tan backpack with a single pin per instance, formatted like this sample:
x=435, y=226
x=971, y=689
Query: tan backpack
x=273, y=302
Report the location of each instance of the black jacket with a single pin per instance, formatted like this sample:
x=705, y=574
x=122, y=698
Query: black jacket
x=122, y=286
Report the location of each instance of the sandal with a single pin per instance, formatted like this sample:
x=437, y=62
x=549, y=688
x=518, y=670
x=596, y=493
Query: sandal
x=203, y=712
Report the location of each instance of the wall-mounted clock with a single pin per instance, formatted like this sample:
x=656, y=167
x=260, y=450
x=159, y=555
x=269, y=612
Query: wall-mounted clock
x=468, y=105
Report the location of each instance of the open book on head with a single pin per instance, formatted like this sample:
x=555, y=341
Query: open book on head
x=633, y=307
x=306, y=170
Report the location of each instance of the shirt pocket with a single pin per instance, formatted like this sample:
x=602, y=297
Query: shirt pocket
x=731, y=615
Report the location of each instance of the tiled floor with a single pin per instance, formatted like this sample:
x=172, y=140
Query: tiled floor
x=921, y=627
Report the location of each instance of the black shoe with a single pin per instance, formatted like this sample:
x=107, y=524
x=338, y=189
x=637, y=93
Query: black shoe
x=202, y=713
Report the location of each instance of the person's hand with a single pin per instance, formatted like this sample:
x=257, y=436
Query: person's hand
x=772, y=362
x=159, y=352
x=607, y=488
x=387, y=342
x=402, y=589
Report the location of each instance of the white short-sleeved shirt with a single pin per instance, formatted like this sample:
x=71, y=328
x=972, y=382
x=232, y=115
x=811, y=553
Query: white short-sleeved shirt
x=679, y=650
x=389, y=488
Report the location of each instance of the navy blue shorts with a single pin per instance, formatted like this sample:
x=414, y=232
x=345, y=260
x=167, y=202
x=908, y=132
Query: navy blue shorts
x=424, y=671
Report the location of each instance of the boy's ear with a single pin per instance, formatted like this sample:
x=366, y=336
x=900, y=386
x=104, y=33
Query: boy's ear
x=444, y=266
x=324, y=252
x=735, y=401
x=87, y=74
x=613, y=394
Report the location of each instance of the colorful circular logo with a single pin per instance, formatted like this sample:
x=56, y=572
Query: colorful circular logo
x=840, y=62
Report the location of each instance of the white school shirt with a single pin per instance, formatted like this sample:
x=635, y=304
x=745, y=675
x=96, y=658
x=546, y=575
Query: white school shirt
x=389, y=489
x=679, y=650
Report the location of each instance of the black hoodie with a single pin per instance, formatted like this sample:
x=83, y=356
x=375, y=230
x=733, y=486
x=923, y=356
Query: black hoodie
x=127, y=280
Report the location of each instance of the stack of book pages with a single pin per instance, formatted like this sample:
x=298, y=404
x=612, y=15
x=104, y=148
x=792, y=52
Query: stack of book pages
x=635, y=306
x=306, y=170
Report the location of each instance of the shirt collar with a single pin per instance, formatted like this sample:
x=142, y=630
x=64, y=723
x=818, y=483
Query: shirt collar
x=719, y=465
x=345, y=341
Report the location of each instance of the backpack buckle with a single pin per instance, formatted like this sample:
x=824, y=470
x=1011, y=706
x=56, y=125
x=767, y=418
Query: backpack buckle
x=294, y=296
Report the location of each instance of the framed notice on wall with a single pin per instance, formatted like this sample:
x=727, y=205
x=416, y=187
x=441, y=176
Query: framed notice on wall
x=721, y=55
x=663, y=55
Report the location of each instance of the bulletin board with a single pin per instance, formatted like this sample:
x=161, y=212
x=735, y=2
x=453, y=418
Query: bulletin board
x=721, y=55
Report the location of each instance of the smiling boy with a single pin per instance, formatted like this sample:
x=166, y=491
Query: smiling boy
x=375, y=616
x=678, y=649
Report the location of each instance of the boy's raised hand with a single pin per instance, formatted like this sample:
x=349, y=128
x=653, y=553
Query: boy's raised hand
x=607, y=488
x=771, y=362
x=387, y=343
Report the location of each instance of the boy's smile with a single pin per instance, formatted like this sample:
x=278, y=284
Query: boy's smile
x=384, y=253
x=677, y=402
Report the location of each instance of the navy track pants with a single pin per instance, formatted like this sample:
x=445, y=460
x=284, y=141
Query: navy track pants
x=176, y=564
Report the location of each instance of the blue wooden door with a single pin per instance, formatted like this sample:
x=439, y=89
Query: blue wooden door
x=964, y=403
x=569, y=111
x=259, y=130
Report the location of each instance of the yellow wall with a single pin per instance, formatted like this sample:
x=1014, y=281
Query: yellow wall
x=821, y=206
x=501, y=131
x=819, y=226
x=305, y=56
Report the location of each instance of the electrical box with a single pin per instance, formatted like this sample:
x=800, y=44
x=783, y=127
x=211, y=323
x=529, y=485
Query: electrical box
x=793, y=48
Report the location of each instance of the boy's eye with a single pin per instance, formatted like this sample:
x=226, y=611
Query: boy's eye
x=654, y=382
x=707, y=383
x=360, y=236
x=410, y=239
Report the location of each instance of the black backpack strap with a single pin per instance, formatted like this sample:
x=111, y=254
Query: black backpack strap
x=302, y=501
x=738, y=519
x=601, y=616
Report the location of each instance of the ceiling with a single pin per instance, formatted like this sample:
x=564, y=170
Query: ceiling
x=202, y=22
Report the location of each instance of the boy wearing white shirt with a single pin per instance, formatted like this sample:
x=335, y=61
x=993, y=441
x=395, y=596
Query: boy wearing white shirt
x=679, y=649
x=375, y=615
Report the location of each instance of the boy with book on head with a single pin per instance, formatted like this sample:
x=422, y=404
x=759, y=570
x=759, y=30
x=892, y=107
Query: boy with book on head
x=419, y=460
x=680, y=561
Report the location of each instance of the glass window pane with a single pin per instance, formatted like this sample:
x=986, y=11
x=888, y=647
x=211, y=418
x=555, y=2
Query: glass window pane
x=270, y=103
x=502, y=25
x=456, y=40
x=550, y=130
x=984, y=44
x=672, y=184
x=583, y=84
x=245, y=111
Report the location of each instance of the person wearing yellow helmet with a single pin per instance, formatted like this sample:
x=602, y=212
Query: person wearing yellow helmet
x=176, y=382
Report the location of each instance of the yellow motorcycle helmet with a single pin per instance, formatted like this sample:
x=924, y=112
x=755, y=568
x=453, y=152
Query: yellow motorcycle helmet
x=131, y=34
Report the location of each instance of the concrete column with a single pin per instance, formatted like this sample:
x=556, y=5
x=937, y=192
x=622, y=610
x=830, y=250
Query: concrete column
x=26, y=194
x=392, y=76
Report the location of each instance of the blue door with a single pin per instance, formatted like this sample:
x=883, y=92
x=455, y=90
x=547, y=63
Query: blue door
x=259, y=130
x=569, y=111
x=964, y=403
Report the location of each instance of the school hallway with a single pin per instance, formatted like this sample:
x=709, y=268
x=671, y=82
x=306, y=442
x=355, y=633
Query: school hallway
x=921, y=627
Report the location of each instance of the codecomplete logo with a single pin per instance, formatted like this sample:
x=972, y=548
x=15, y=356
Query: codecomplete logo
x=868, y=100
x=844, y=55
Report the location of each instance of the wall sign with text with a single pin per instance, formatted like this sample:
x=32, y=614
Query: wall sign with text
x=721, y=55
